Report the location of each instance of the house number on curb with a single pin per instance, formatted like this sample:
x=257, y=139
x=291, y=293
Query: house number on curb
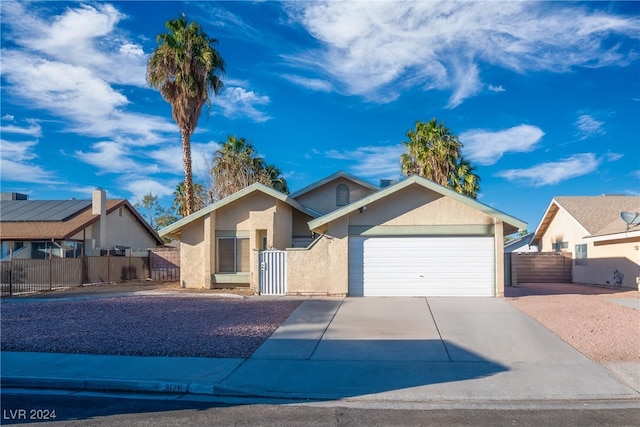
x=174, y=387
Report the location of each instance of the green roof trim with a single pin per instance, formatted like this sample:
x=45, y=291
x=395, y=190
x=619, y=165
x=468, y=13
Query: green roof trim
x=416, y=180
x=340, y=174
x=176, y=226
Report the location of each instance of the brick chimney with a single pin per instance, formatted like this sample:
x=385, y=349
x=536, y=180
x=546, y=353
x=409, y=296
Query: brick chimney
x=99, y=207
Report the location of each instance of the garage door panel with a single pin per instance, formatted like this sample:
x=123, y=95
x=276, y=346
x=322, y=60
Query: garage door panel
x=421, y=266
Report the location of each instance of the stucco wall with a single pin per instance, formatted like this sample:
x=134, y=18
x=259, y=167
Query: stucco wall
x=323, y=268
x=122, y=230
x=563, y=228
x=418, y=206
x=194, y=262
x=300, y=224
x=323, y=198
x=604, y=259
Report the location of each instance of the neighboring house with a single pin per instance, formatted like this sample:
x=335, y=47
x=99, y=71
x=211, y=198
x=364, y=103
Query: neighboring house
x=71, y=228
x=412, y=238
x=520, y=244
x=604, y=250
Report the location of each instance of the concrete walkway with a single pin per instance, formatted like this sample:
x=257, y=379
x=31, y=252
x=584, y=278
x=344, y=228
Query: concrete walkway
x=367, y=349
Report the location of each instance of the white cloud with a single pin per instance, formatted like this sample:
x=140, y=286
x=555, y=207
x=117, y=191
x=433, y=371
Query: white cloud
x=589, y=126
x=486, y=148
x=376, y=49
x=313, y=84
x=16, y=164
x=112, y=157
x=139, y=187
x=553, y=172
x=34, y=129
x=239, y=102
x=612, y=157
x=84, y=36
x=371, y=161
x=170, y=158
x=496, y=89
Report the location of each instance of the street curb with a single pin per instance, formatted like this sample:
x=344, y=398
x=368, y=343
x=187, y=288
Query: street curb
x=94, y=384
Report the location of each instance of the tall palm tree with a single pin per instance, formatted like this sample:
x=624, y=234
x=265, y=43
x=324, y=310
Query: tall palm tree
x=186, y=69
x=434, y=152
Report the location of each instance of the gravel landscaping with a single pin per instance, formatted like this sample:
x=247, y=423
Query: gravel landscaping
x=586, y=317
x=143, y=325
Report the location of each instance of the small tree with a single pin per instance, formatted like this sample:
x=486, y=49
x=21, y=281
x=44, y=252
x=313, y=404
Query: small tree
x=154, y=213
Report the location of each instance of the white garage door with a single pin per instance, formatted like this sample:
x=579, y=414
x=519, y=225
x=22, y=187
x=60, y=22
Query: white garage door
x=421, y=266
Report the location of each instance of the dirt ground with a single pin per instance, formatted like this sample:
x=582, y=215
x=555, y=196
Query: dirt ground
x=584, y=317
x=580, y=315
x=127, y=287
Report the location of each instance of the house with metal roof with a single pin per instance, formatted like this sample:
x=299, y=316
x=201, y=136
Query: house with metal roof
x=37, y=229
x=345, y=236
x=603, y=246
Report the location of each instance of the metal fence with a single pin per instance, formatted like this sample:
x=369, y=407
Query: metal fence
x=31, y=275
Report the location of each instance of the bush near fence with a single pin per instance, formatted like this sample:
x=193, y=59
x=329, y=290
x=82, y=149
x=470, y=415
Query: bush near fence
x=31, y=275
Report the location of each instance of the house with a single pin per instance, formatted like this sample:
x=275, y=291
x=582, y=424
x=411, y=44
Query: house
x=345, y=236
x=33, y=229
x=520, y=244
x=603, y=248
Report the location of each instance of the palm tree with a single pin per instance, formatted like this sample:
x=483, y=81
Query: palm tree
x=465, y=180
x=237, y=165
x=434, y=152
x=185, y=68
x=180, y=198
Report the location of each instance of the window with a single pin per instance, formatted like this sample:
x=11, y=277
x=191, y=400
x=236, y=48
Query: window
x=581, y=254
x=342, y=195
x=233, y=255
x=558, y=246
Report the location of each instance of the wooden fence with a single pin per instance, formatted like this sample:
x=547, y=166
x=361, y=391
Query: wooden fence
x=31, y=275
x=539, y=267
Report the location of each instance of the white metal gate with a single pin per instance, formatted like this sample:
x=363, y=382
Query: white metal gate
x=273, y=272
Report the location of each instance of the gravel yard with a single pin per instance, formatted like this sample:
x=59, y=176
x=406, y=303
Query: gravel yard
x=584, y=317
x=180, y=325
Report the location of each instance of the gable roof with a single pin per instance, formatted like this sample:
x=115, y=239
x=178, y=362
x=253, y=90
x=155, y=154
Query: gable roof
x=423, y=182
x=596, y=215
x=30, y=220
x=519, y=241
x=257, y=187
x=333, y=177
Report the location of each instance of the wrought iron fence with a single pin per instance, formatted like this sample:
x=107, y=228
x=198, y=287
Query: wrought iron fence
x=31, y=275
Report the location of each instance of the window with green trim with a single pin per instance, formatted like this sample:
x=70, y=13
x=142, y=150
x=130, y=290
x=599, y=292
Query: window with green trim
x=233, y=255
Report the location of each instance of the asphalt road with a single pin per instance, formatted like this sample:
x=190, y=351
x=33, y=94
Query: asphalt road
x=30, y=407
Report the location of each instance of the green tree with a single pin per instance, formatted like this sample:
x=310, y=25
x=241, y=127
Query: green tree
x=435, y=153
x=179, y=198
x=154, y=213
x=237, y=165
x=186, y=69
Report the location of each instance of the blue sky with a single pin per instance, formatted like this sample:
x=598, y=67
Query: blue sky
x=544, y=96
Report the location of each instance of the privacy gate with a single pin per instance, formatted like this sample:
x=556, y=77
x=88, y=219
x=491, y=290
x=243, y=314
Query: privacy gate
x=273, y=272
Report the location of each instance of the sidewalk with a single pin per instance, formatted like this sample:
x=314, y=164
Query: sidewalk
x=348, y=350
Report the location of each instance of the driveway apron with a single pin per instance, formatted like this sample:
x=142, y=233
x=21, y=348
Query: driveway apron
x=420, y=349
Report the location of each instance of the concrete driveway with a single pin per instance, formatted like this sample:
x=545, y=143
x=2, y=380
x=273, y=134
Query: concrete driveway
x=433, y=349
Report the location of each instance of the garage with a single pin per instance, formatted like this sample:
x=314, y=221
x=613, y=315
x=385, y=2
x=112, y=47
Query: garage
x=422, y=266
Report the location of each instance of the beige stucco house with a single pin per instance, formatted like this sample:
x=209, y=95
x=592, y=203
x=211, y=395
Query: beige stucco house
x=32, y=229
x=603, y=248
x=345, y=236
